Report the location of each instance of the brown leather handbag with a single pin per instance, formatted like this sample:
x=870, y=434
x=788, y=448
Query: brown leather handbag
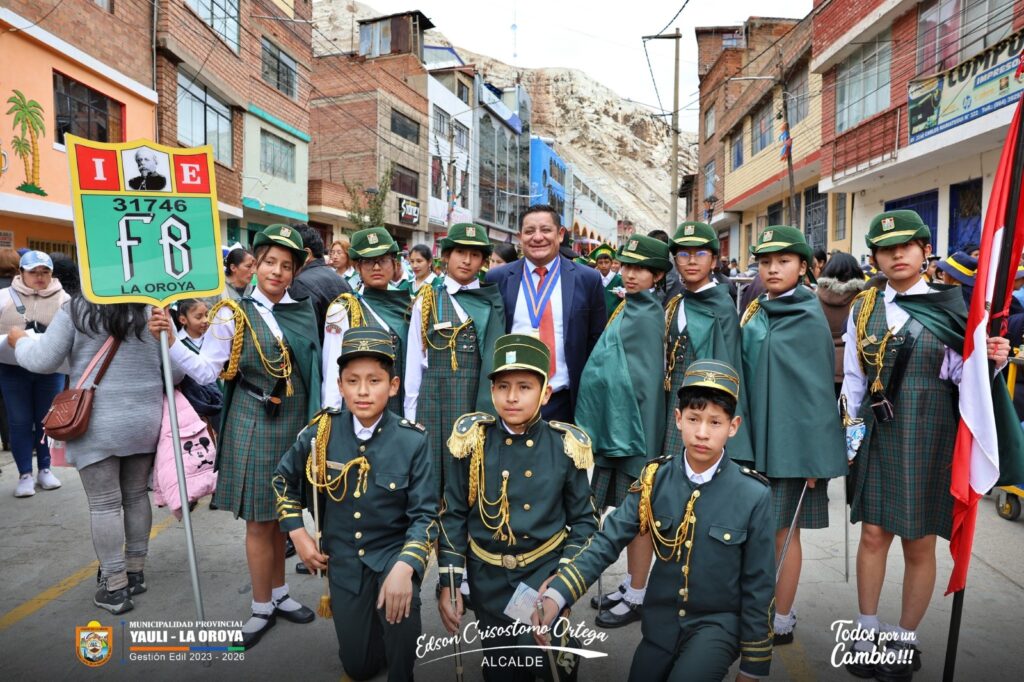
x=68, y=417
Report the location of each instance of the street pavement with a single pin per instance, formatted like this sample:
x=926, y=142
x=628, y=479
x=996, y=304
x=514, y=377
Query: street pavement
x=48, y=568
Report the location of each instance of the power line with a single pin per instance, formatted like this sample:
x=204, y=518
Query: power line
x=687, y=2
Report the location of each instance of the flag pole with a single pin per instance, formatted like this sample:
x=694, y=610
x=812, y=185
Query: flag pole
x=997, y=325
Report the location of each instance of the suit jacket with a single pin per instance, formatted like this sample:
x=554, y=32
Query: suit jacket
x=583, y=310
x=322, y=285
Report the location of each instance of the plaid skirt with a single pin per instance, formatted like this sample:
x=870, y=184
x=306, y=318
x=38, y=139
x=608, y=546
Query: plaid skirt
x=786, y=494
x=610, y=486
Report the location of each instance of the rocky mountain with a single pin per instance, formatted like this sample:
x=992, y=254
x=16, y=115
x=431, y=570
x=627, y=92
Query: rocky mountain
x=621, y=149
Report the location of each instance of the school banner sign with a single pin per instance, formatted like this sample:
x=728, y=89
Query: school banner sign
x=974, y=88
x=146, y=223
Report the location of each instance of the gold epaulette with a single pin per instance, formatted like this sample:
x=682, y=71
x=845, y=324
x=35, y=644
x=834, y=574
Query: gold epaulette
x=751, y=310
x=467, y=440
x=577, y=444
x=615, y=313
x=644, y=485
x=350, y=304
x=427, y=301
x=671, y=308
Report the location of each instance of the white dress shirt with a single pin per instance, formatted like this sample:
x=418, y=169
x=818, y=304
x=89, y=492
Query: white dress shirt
x=365, y=432
x=415, y=355
x=205, y=367
x=183, y=335
x=704, y=476
x=335, y=326
x=521, y=323
x=606, y=279
x=855, y=382
x=681, y=315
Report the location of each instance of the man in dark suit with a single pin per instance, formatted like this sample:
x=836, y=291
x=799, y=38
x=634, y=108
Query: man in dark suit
x=561, y=302
x=317, y=280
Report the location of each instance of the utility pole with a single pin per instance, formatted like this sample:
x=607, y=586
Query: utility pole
x=674, y=189
x=794, y=220
x=450, y=172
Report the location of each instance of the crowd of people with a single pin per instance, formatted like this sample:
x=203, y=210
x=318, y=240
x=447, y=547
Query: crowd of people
x=487, y=407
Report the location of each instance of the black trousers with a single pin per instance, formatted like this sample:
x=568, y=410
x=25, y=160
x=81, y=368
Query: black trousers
x=704, y=653
x=367, y=643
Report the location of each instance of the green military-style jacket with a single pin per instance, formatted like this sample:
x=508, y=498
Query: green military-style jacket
x=723, y=570
x=387, y=514
x=547, y=492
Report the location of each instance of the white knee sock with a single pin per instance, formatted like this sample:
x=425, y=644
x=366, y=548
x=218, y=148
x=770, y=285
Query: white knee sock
x=256, y=624
x=281, y=600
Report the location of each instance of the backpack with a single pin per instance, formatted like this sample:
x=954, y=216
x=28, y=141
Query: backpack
x=198, y=452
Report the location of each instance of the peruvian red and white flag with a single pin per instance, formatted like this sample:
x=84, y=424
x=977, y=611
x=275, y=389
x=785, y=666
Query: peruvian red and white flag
x=976, y=454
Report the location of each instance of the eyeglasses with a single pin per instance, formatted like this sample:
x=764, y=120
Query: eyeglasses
x=684, y=256
x=378, y=262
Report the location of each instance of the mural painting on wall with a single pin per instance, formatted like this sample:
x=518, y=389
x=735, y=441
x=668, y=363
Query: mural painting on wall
x=28, y=121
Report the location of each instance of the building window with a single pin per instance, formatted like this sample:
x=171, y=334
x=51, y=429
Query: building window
x=442, y=121
x=737, y=149
x=436, y=178
x=709, y=179
x=105, y=4
x=203, y=119
x=797, y=97
x=709, y=123
x=775, y=214
x=279, y=69
x=731, y=40
x=952, y=31
x=221, y=16
x=762, y=128
x=277, y=156
x=85, y=112
x=862, y=82
x=463, y=91
x=839, y=221
x=404, y=126
x=405, y=181
x=461, y=136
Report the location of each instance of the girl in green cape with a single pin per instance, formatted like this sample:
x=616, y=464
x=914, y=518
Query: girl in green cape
x=269, y=350
x=797, y=436
x=621, y=404
x=374, y=254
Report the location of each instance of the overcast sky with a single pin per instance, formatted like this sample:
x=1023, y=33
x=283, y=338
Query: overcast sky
x=600, y=37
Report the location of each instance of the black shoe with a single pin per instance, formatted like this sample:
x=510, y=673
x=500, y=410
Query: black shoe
x=251, y=639
x=289, y=548
x=136, y=583
x=118, y=601
x=895, y=667
x=303, y=614
x=301, y=568
x=607, y=600
x=608, y=620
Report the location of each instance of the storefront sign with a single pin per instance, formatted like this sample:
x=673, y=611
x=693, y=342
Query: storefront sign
x=146, y=222
x=974, y=88
x=409, y=211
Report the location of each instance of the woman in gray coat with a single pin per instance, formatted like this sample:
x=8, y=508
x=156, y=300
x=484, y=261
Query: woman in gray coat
x=115, y=455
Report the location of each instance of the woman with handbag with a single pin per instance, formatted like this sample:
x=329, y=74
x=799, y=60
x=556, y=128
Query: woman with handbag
x=271, y=346
x=30, y=302
x=108, y=348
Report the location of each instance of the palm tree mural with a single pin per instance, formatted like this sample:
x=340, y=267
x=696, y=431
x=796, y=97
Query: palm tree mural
x=28, y=116
x=23, y=149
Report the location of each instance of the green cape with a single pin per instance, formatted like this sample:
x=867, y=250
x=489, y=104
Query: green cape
x=788, y=365
x=487, y=309
x=393, y=306
x=943, y=314
x=611, y=299
x=298, y=324
x=621, y=402
x=714, y=331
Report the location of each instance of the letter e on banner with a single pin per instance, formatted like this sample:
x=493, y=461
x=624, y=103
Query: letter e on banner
x=97, y=169
x=191, y=174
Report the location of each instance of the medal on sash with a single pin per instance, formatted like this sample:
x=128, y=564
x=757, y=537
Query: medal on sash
x=537, y=301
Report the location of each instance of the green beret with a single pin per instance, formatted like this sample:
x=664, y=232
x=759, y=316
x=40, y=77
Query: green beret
x=520, y=352
x=647, y=252
x=361, y=342
x=467, y=235
x=372, y=242
x=776, y=238
x=583, y=260
x=284, y=236
x=715, y=374
x=604, y=250
x=896, y=227
x=695, y=234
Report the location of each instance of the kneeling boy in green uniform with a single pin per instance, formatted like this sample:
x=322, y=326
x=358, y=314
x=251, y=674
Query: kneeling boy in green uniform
x=370, y=473
x=516, y=504
x=710, y=596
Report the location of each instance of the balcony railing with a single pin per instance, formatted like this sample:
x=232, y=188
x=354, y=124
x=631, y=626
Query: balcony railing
x=870, y=143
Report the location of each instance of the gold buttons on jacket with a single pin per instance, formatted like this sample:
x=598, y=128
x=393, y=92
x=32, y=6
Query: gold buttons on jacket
x=359, y=534
x=391, y=485
x=529, y=443
x=727, y=537
x=508, y=441
x=362, y=448
x=526, y=507
x=362, y=552
x=696, y=493
x=358, y=515
x=689, y=544
x=682, y=593
x=528, y=473
x=682, y=612
x=657, y=524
